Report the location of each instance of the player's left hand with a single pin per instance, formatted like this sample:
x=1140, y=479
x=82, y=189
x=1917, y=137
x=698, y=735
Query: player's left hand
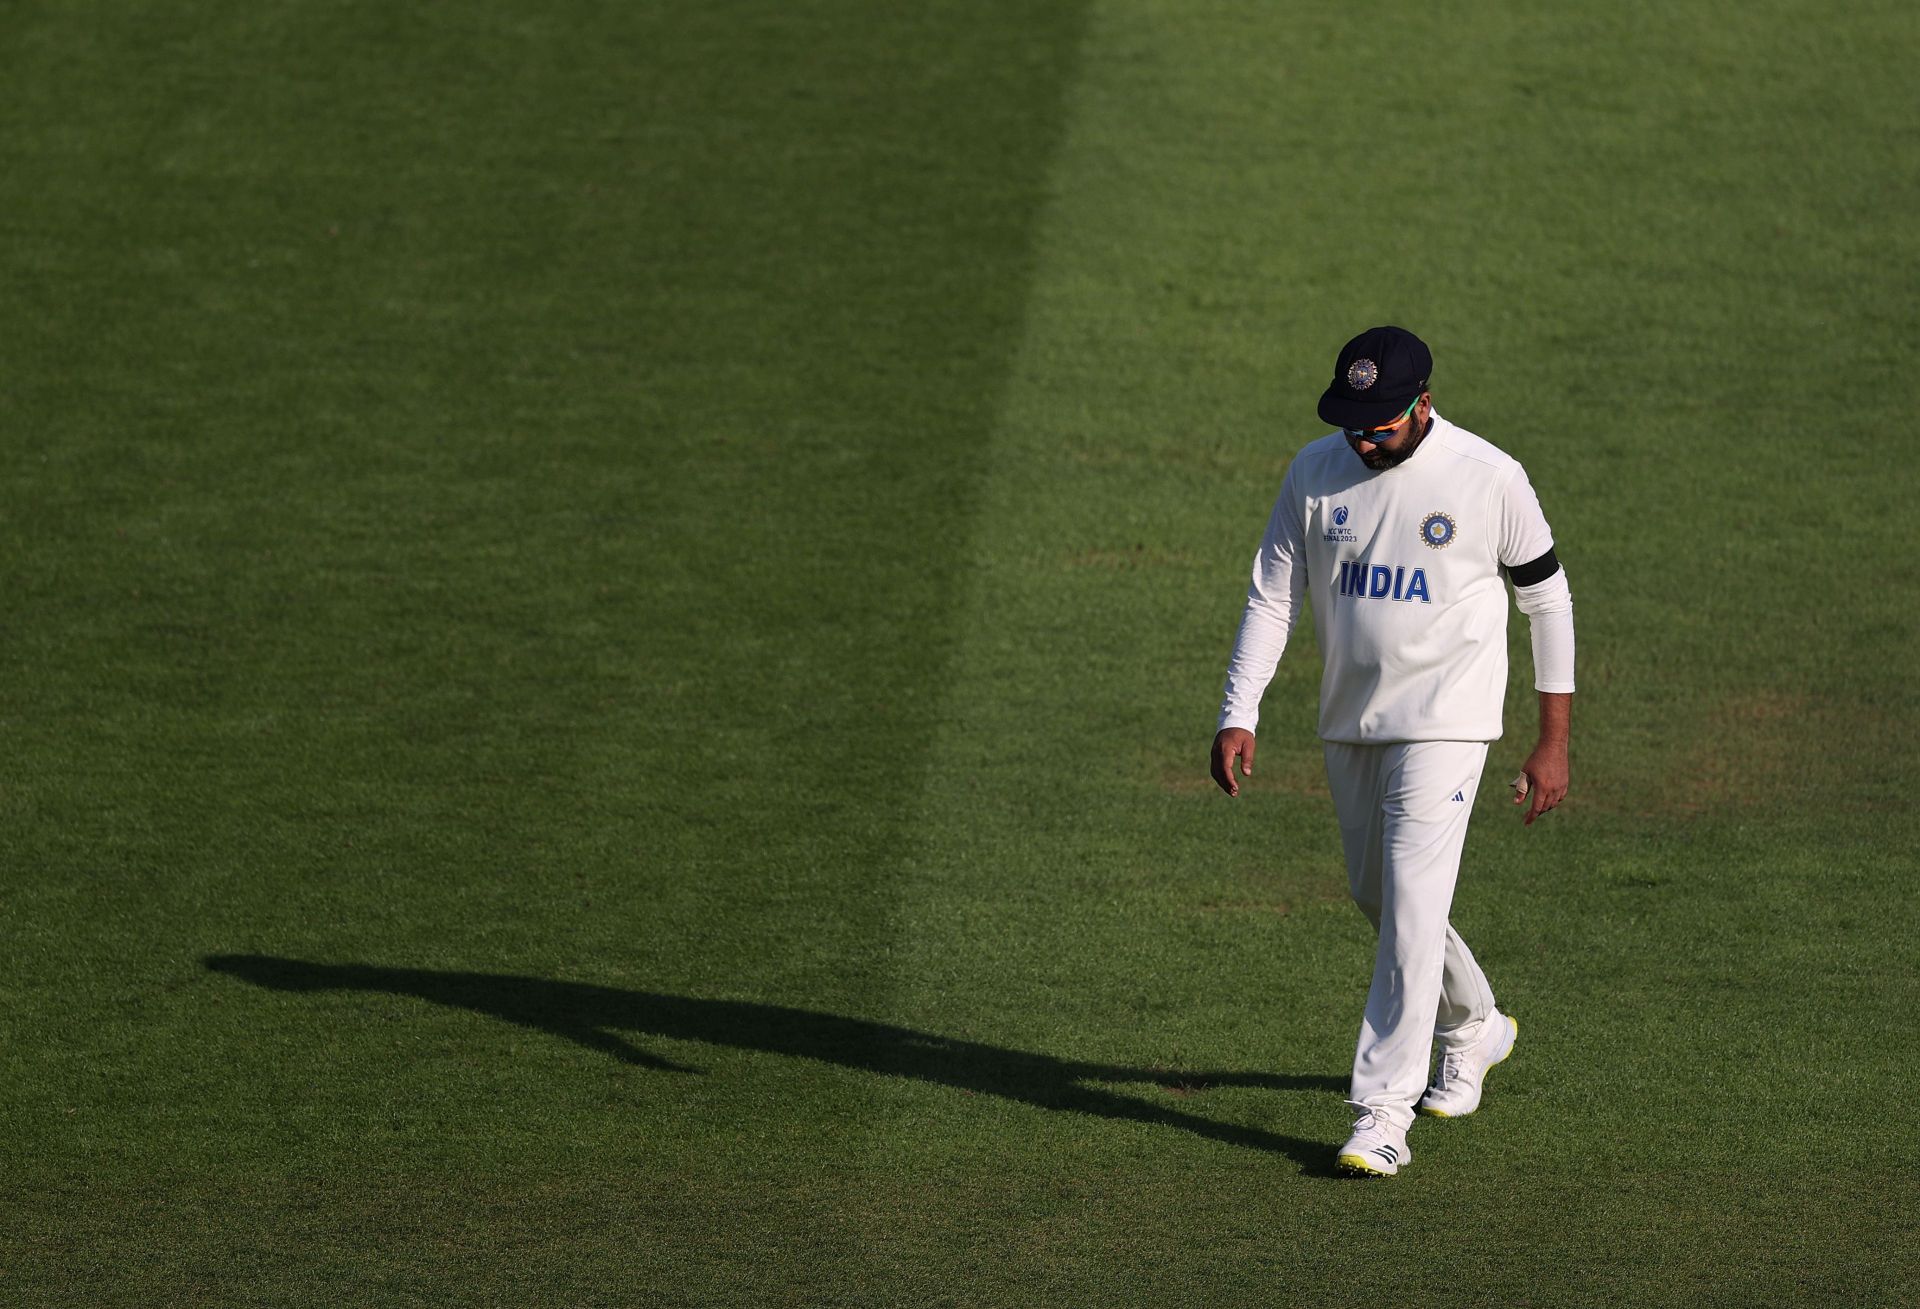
x=1543, y=780
x=1229, y=744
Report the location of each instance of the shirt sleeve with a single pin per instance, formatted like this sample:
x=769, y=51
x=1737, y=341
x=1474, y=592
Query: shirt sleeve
x=1273, y=601
x=1524, y=534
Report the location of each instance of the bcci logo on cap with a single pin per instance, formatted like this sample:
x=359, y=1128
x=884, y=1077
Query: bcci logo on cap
x=1362, y=373
x=1436, y=531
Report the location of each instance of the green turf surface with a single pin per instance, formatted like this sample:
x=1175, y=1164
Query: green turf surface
x=612, y=615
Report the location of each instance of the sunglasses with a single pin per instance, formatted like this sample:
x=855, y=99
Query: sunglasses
x=1375, y=435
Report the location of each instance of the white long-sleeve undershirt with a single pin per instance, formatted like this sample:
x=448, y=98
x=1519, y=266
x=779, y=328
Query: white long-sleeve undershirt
x=1548, y=606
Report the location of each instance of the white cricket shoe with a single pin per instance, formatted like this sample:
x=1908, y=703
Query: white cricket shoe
x=1377, y=1147
x=1455, y=1092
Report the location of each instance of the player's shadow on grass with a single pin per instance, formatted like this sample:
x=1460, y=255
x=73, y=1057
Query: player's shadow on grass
x=595, y=1017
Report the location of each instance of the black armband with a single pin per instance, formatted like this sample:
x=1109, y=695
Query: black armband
x=1536, y=572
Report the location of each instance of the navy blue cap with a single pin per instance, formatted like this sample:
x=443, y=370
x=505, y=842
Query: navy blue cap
x=1378, y=374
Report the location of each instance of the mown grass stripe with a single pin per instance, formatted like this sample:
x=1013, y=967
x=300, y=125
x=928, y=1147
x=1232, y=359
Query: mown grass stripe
x=487, y=500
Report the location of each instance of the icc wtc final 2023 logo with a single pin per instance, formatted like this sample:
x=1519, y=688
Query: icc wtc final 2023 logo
x=1436, y=531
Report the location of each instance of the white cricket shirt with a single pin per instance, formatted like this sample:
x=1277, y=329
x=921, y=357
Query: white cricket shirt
x=1404, y=569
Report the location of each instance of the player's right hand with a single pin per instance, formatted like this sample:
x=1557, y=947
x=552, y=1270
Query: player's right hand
x=1229, y=744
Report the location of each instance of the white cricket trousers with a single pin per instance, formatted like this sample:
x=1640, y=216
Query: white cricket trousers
x=1403, y=811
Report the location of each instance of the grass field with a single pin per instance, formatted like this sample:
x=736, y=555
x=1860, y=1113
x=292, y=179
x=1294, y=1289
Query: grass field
x=610, y=617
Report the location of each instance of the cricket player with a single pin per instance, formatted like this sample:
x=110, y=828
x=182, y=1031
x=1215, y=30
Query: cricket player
x=1400, y=526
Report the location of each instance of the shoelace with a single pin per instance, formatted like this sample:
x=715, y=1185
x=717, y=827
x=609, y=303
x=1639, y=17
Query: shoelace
x=1450, y=1065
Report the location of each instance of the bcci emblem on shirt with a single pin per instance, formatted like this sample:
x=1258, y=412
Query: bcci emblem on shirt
x=1436, y=531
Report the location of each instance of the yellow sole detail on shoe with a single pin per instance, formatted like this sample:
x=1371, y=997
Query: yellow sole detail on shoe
x=1353, y=1163
x=1435, y=1113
